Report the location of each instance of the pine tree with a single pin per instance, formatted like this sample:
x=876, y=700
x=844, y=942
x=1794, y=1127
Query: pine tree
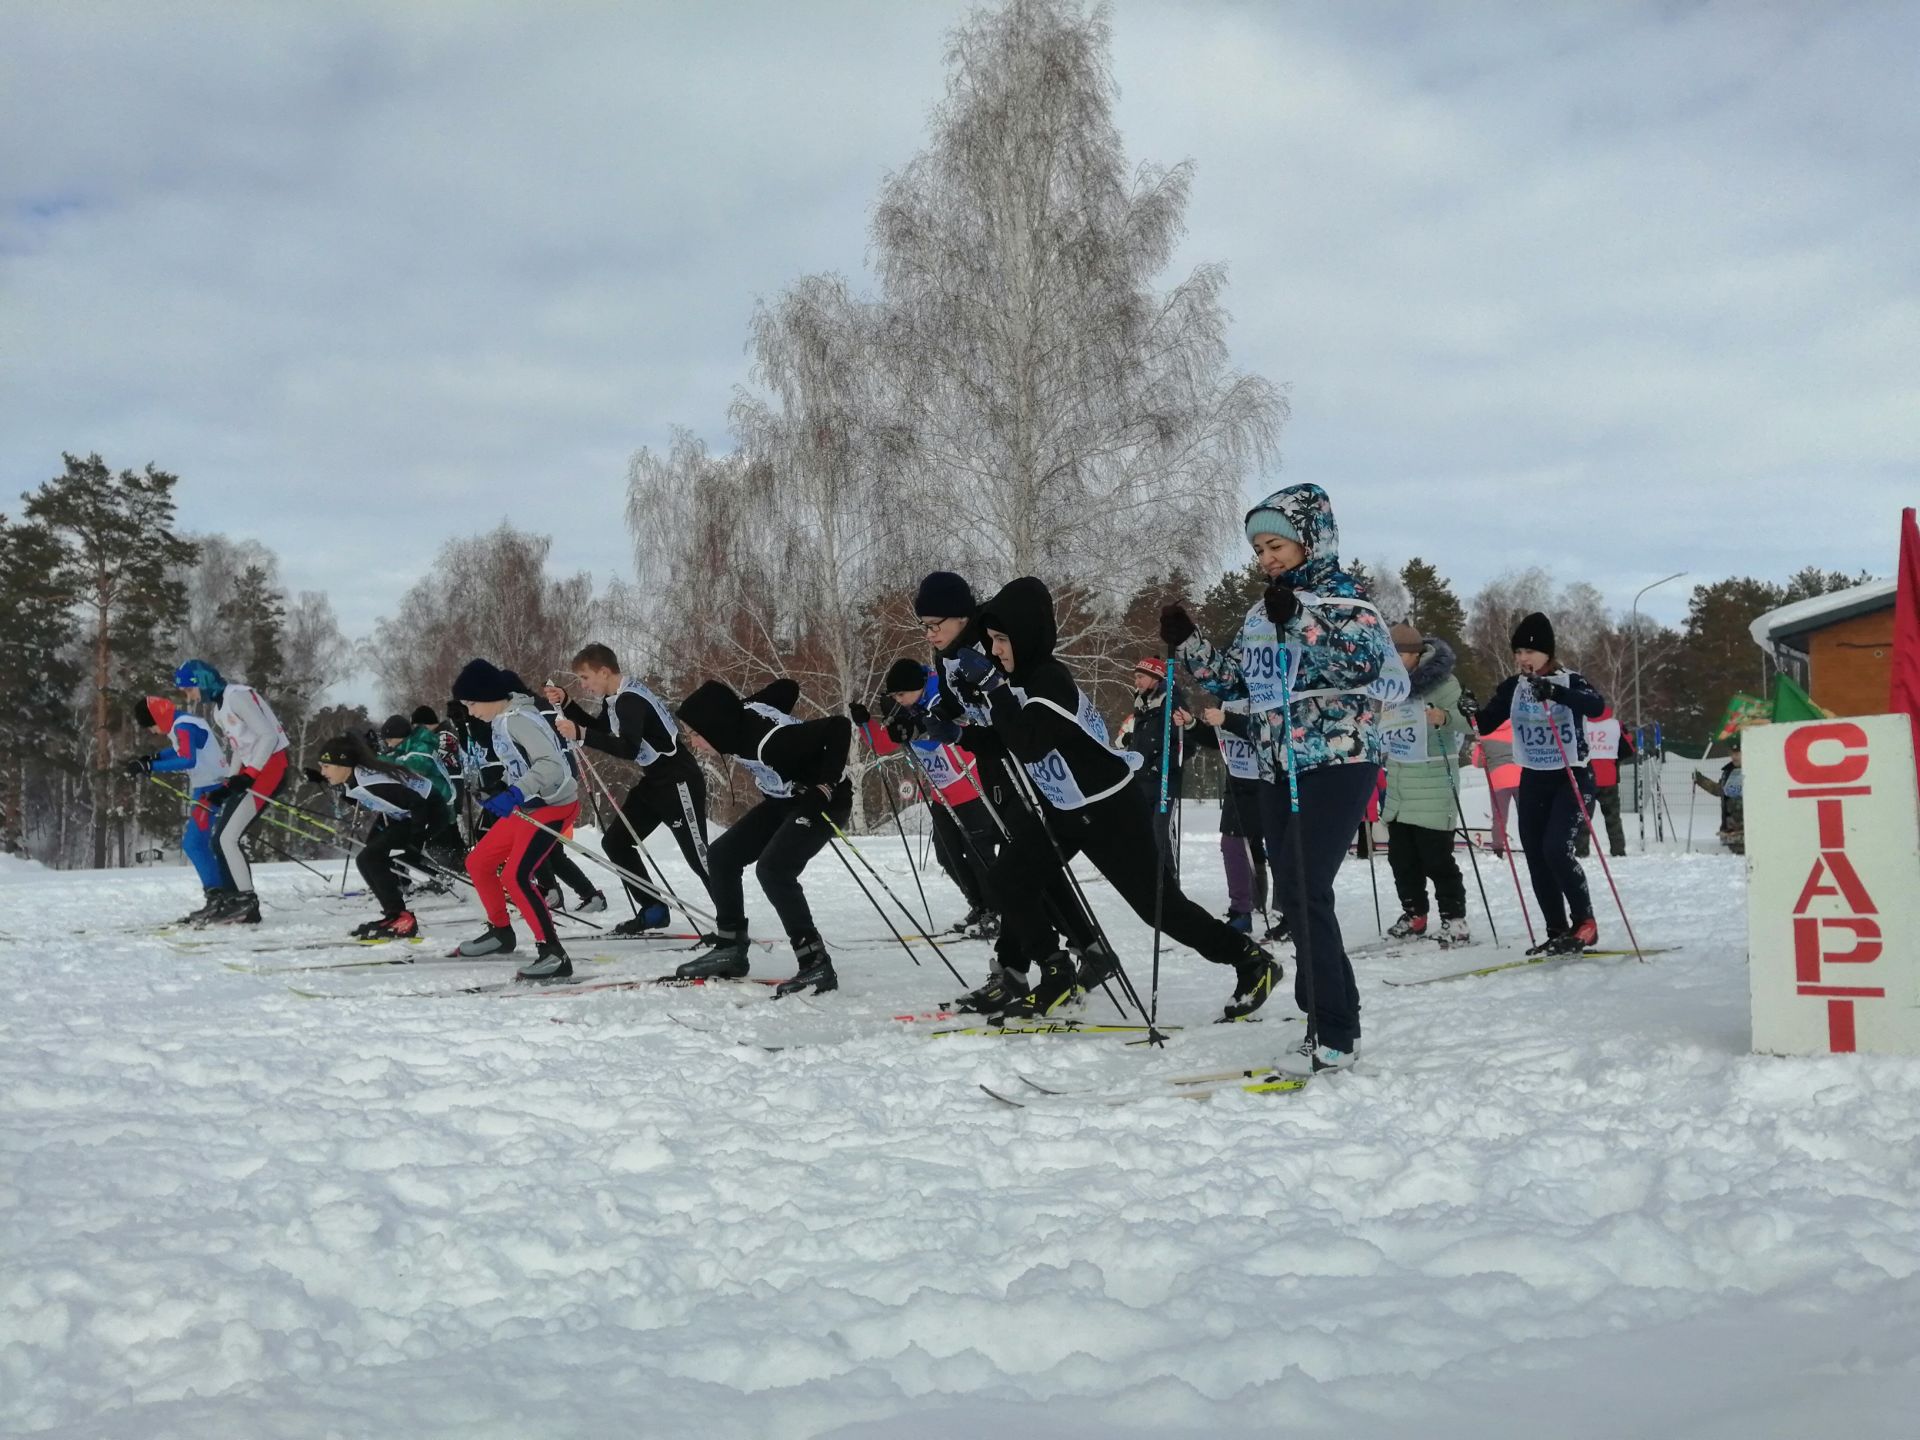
x=36, y=675
x=257, y=612
x=1437, y=612
x=116, y=554
x=1222, y=609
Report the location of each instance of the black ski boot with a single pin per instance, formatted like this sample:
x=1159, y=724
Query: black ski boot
x=1280, y=930
x=1058, y=987
x=1097, y=966
x=549, y=962
x=1256, y=973
x=815, y=972
x=1003, y=987
x=1564, y=943
x=727, y=960
x=240, y=908
x=214, y=899
x=494, y=940
x=371, y=930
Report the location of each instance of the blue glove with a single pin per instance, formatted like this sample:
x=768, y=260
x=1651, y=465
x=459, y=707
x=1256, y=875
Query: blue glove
x=505, y=803
x=976, y=673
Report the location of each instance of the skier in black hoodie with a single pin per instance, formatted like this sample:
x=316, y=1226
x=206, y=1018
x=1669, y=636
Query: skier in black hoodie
x=945, y=604
x=801, y=767
x=1093, y=806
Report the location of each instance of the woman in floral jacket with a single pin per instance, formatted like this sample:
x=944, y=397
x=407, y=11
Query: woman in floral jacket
x=1312, y=662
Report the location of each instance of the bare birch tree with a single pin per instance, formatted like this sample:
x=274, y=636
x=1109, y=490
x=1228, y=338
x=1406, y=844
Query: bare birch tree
x=1065, y=418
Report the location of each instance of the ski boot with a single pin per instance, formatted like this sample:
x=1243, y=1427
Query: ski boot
x=591, y=904
x=551, y=894
x=1003, y=987
x=1311, y=1058
x=369, y=931
x=1408, y=927
x=214, y=898
x=1255, y=974
x=240, y=908
x=494, y=940
x=1563, y=943
x=1240, y=921
x=549, y=962
x=1279, y=931
x=651, y=917
x=726, y=960
x=815, y=972
x=1097, y=966
x=1057, y=989
x=1587, y=933
x=1453, y=932
x=398, y=927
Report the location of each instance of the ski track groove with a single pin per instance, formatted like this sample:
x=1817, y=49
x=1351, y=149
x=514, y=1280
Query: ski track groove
x=1555, y=1201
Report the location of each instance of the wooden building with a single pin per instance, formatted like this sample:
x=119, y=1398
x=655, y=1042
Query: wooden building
x=1837, y=647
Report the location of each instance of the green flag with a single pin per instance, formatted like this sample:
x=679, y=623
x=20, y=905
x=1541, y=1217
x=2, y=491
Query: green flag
x=1790, y=702
x=1742, y=711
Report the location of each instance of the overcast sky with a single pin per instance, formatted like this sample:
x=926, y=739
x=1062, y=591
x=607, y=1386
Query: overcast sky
x=1615, y=289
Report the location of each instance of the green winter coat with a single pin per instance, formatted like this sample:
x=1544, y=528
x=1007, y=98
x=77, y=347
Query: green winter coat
x=420, y=753
x=1424, y=794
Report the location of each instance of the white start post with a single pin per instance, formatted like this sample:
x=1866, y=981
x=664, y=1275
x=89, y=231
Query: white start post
x=1833, y=896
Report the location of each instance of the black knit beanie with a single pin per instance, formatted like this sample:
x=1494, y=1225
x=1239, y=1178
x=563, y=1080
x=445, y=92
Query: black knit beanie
x=905, y=675
x=395, y=727
x=1534, y=633
x=423, y=715
x=943, y=595
x=482, y=681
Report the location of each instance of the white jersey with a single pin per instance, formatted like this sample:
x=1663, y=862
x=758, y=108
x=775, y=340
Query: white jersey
x=1603, y=738
x=360, y=792
x=644, y=754
x=1546, y=736
x=772, y=783
x=252, y=731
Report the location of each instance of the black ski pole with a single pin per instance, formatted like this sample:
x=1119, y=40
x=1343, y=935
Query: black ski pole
x=885, y=919
x=887, y=890
x=1474, y=859
x=907, y=847
x=1154, y=1037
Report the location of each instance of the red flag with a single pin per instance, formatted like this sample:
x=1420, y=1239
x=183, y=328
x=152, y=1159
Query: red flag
x=1905, y=690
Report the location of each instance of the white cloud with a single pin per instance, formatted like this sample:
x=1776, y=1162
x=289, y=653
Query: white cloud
x=1618, y=290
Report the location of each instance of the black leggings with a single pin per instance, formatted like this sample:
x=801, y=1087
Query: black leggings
x=680, y=804
x=778, y=838
x=965, y=841
x=1416, y=855
x=375, y=860
x=1549, y=819
x=1311, y=846
x=1116, y=834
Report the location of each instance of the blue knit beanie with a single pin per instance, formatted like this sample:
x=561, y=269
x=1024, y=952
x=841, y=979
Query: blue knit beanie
x=1271, y=522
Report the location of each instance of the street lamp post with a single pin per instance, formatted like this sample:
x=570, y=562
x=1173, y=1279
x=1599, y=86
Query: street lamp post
x=1633, y=623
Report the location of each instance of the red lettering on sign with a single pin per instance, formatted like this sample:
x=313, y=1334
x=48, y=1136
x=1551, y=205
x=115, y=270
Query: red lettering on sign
x=1846, y=884
x=1851, y=766
x=1840, y=1026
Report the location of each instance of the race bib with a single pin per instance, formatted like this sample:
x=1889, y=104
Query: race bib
x=1053, y=777
x=1241, y=761
x=1603, y=738
x=938, y=762
x=1542, y=731
x=1267, y=665
x=1403, y=733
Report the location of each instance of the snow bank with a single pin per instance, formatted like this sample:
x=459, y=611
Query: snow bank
x=1555, y=1202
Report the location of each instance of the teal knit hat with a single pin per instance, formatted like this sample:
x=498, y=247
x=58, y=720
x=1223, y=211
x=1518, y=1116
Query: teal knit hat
x=1271, y=522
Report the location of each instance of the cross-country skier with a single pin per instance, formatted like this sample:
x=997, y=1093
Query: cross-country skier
x=1607, y=746
x=1143, y=732
x=1546, y=703
x=1313, y=662
x=256, y=767
x=540, y=798
x=964, y=837
x=1243, y=852
x=405, y=812
x=800, y=767
x=1494, y=754
x=196, y=758
x=634, y=724
x=1093, y=806
x=1421, y=738
x=945, y=604
x=436, y=840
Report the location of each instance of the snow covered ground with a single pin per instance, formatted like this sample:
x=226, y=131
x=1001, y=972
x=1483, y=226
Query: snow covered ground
x=1557, y=1202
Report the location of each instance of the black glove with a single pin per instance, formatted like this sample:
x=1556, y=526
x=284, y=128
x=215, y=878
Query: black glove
x=1544, y=690
x=1176, y=626
x=859, y=714
x=1469, y=707
x=1282, y=604
x=138, y=765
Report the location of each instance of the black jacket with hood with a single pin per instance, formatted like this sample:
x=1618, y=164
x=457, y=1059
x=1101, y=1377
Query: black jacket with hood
x=1041, y=712
x=810, y=752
